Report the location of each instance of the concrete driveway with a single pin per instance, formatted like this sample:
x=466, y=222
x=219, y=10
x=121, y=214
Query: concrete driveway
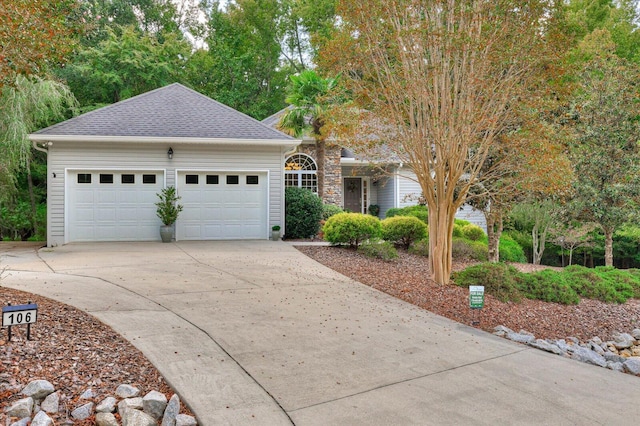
x=257, y=333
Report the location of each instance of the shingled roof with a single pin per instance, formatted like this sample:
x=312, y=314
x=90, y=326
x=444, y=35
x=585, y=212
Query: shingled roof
x=173, y=111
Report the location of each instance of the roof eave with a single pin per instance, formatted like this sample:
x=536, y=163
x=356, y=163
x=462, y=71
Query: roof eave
x=37, y=137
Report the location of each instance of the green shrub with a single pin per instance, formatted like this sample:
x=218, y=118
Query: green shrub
x=635, y=283
x=418, y=211
x=403, y=230
x=329, y=210
x=601, y=283
x=510, y=251
x=473, y=232
x=498, y=279
x=351, y=228
x=464, y=249
x=303, y=211
x=457, y=231
x=379, y=249
x=549, y=286
x=374, y=209
x=461, y=222
x=421, y=247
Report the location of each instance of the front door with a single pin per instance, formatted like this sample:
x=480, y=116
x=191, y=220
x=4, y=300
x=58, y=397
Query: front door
x=353, y=194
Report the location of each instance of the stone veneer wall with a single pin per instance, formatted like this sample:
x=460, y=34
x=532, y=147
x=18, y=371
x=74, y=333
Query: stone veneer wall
x=332, y=171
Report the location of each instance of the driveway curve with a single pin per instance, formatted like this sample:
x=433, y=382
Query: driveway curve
x=254, y=332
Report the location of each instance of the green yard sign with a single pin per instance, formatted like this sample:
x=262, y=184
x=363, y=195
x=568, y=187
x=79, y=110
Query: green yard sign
x=476, y=296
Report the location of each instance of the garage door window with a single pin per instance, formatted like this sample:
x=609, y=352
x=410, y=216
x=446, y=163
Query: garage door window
x=151, y=179
x=128, y=179
x=233, y=180
x=212, y=179
x=252, y=180
x=191, y=179
x=84, y=177
x=106, y=178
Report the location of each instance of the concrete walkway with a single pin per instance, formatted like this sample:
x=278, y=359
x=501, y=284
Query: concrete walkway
x=257, y=333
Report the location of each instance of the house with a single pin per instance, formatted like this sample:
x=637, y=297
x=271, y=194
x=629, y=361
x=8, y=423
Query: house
x=105, y=168
x=355, y=183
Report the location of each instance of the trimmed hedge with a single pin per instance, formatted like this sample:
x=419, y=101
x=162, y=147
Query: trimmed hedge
x=379, y=249
x=498, y=279
x=418, y=211
x=465, y=249
x=303, y=212
x=473, y=232
x=351, y=228
x=329, y=210
x=403, y=230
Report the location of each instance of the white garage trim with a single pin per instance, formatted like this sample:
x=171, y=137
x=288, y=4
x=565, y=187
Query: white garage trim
x=223, y=227
x=145, y=226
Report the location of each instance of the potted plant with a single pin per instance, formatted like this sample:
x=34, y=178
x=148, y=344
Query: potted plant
x=168, y=210
x=275, y=232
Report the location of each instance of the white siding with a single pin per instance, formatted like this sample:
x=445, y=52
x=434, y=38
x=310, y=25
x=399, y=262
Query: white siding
x=118, y=156
x=386, y=190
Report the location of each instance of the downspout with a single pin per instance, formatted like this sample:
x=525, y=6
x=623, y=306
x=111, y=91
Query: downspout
x=35, y=145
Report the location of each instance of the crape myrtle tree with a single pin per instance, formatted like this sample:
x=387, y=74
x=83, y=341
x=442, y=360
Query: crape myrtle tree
x=605, y=151
x=436, y=81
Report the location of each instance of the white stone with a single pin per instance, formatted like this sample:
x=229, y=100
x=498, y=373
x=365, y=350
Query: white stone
x=41, y=419
x=51, y=403
x=615, y=366
x=137, y=418
x=88, y=394
x=154, y=404
x=21, y=408
x=107, y=405
x=22, y=422
x=185, y=420
x=83, y=412
x=128, y=404
x=623, y=340
x=636, y=333
x=127, y=391
x=38, y=389
x=106, y=419
x=521, y=338
x=632, y=365
x=172, y=411
x=546, y=346
x=588, y=356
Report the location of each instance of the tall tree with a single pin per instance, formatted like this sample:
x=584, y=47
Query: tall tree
x=437, y=79
x=606, y=154
x=36, y=34
x=308, y=96
x=25, y=106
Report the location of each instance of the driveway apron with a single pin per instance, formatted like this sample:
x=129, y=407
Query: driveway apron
x=254, y=332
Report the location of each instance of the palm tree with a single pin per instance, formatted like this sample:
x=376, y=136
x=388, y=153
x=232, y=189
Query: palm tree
x=308, y=97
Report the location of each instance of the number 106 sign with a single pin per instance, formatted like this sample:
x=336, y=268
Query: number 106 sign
x=19, y=314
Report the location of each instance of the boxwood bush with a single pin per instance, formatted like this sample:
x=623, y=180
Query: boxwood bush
x=549, y=286
x=466, y=249
x=498, y=279
x=351, y=228
x=303, y=212
x=403, y=230
x=473, y=232
x=329, y=210
x=510, y=250
x=418, y=211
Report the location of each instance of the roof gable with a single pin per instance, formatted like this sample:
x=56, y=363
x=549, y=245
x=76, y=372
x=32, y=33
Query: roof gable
x=173, y=111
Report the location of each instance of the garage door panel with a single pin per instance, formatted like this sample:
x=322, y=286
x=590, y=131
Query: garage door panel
x=222, y=211
x=112, y=211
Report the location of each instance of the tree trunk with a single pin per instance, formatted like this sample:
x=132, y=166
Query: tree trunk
x=539, y=241
x=608, y=246
x=32, y=198
x=320, y=154
x=441, y=217
x=494, y=232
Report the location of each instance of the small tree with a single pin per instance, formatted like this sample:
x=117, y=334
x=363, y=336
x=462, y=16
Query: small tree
x=572, y=237
x=168, y=208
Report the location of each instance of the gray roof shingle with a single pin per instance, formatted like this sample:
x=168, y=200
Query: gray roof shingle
x=170, y=111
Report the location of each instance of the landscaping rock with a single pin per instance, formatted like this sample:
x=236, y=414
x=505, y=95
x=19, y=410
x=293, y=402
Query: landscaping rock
x=51, y=403
x=521, y=337
x=21, y=408
x=154, y=404
x=587, y=355
x=107, y=405
x=615, y=366
x=623, y=340
x=41, y=419
x=636, y=333
x=106, y=419
x=562, y=344
x=172, y=411
x=632, y=365
x=546, y=346
x=22, y=422
x=610, y=356
x=128, y=404
x=502, y=331
x=185, y=420
x=133, y=417
x=127, y=391
x=595, y=347
x=83, y=412
x=38, y=389
x=88, y=394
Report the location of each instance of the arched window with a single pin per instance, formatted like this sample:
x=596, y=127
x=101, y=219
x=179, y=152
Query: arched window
x=300, y=170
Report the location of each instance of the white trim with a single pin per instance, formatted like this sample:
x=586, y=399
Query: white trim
x=157, y=139
x=352, y=161
x=67, y=182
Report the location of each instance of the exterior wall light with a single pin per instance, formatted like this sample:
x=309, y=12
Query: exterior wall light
x=170, y=153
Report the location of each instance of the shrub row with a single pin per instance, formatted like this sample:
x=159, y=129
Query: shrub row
x=506, y=283
x=354, y=228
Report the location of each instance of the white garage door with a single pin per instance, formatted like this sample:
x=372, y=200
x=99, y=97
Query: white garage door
x=113, y=205
x=222, y=206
